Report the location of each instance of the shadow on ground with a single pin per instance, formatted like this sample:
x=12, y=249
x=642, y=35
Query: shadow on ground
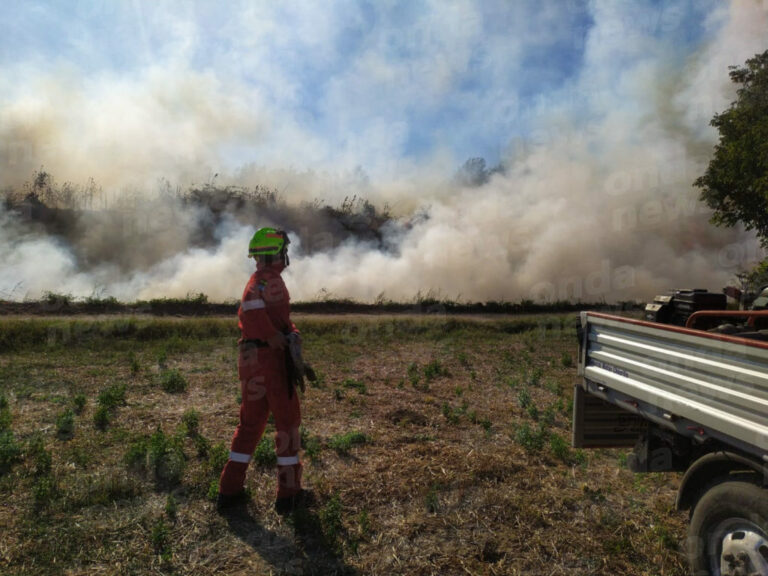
x=308, y=554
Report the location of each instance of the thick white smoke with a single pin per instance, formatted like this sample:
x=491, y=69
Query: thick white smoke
x=596, y=202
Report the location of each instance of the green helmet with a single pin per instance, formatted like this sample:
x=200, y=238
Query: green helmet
x=267, y=242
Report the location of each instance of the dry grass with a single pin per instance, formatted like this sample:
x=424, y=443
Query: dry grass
x=441, y=482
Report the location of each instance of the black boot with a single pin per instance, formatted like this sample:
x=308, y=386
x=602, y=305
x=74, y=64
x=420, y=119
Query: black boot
x=302, y=499
x=228, y=502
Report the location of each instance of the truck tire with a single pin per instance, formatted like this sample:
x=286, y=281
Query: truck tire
x=728, y=534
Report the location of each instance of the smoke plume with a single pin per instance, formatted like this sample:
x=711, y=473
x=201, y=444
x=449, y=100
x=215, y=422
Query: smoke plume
x=594, y=200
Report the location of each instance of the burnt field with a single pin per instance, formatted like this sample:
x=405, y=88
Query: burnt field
x=434, y=445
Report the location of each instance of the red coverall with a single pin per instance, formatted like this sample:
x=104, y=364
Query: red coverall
x=264, y=310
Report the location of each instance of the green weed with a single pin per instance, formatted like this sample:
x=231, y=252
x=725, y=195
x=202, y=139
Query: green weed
x=311, y=444
x=531, y=440
x=41, y=458
x=433, y=370
x=449, y=413
x=264, y=455
x=160, y=539
x=432, y=501
x=78, y=403
x=191, y=422
x=65, y=424
x=331, y=520
x=202, y=446
x=112, y=397
x=342, y=443
x=217, y=458
x=172, y=381
x=101, y=417
x=133, y=362
x=356, y=385
x=166, y=459
x=10, y=451
x=524, y=398
x=44, y=492
x=560, y=448
x=171, y=507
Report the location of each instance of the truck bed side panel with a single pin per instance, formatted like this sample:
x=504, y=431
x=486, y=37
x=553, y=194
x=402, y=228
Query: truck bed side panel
x=719, y=383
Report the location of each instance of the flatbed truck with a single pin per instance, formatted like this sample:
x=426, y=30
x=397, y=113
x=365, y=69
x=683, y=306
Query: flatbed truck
x=691, y=400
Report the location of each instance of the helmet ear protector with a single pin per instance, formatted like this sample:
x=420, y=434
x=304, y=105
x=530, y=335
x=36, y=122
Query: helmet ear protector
x=284, y=250
x=267, y=243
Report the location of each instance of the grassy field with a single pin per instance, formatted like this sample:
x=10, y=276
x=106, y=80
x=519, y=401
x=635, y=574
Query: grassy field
x=434, y=445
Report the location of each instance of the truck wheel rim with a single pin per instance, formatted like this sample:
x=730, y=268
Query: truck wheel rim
x=741, y=547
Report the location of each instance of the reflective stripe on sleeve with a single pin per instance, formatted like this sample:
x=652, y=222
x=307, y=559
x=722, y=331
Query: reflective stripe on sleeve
x=287, y=460
x=240, y=457
x=256, y=304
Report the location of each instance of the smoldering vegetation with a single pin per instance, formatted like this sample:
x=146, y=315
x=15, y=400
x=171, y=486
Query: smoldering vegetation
x=138, y=230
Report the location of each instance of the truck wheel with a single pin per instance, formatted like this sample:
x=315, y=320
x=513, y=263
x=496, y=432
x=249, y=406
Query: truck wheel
x=728, y=535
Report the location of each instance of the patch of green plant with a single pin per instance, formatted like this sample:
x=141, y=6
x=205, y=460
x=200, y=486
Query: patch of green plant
x=559, y=447
x=449, y=413
x=331, y=520
x=666, y=537
x=548, y=417
x=10, y=451
x=44, y=492
x=171, y=507
x=413, y=375
x=101, y=417
x=566, y=360
x=136, y=455
x=311, y=444
x=356, y=385
x=166, y=458
x=5, y=415
x=160, y=538
x=162, y=358
x=78, y=403
x=533, y=377
x=112, y=397
x=554, y=386
x=217, y=458
x=65, y=424
x=264, y=455
x=202, y=446
x=213, y=490
x=524, y=398
x=342, y=443
x=431, y=500
x=191, y=422
x=40, y=457
x=172, y=381
x=532, y=440
x=133, y=362
x=463, y=360
x=533, y=411
x=433, y=370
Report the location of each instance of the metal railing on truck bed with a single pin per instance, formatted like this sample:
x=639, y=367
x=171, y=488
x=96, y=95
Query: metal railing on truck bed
x=695, y=383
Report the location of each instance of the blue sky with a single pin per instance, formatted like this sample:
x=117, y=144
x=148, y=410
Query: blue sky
x=333, y=84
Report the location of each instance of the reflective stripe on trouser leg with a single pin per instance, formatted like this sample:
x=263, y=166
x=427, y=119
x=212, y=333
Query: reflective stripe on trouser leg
x=240, y=457
x=287, y=460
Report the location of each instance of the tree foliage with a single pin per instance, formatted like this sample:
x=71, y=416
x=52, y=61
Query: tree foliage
x=735, y=184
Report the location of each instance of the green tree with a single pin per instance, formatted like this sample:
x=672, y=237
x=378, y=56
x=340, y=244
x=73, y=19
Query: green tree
x=735, y=184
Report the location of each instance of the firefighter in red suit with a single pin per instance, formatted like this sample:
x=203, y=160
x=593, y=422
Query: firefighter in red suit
x=264, y=320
